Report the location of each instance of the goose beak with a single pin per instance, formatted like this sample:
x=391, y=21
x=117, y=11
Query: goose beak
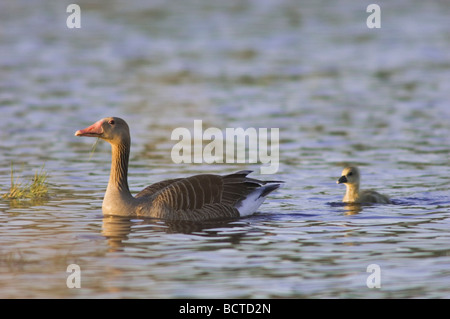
x=95, y=130
x=342, y=180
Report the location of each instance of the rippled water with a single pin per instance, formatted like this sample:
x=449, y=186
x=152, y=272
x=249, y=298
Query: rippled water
x=339, y=93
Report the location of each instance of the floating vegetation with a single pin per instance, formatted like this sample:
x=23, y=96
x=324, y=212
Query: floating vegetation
x=37, y=188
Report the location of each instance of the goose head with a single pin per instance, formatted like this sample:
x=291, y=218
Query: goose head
x=350, y=175
x=111, y=129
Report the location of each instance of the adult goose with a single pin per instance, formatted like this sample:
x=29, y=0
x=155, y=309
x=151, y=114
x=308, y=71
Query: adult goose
x=196, y=198
x=351, y=178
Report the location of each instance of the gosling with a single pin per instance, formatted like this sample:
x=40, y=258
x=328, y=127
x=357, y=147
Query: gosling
x=351, y=177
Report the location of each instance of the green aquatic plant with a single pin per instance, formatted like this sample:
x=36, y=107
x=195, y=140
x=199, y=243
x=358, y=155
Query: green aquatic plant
x=94, y=146
x=37, y=188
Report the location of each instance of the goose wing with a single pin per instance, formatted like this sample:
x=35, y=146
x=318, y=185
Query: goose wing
x=204, y=196
x=156, y=187
x=370, y=196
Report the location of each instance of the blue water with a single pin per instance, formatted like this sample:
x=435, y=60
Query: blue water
x=338, y=92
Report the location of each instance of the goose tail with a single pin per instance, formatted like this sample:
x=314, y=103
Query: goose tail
x=252, y=201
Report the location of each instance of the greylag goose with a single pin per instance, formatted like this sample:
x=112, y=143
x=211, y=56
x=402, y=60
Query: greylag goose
x=195, y=198
x=351, y=178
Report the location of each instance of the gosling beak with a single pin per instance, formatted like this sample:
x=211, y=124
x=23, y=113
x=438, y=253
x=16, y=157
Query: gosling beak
x=342, y=180
x=95, y=130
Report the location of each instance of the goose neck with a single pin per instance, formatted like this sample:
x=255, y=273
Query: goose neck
x=119, y=167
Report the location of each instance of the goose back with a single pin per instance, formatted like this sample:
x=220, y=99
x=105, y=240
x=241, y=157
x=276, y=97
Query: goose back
x=203, y=196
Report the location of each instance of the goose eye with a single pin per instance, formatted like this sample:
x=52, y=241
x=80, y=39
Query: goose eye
x=350, y=174
x=112, y=122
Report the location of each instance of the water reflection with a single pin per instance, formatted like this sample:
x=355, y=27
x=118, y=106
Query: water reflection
x=349, y=208
x=337, y=90
x=27, y=202
x=352, y=208
x=118, y=229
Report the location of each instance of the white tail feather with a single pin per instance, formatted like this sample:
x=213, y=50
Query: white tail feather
x=251, y=203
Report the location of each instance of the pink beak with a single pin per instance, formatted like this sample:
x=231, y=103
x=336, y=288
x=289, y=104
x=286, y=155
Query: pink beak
x=95, y=130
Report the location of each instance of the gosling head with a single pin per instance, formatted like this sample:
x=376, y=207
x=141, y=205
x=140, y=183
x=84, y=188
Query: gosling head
x=350, y=175
x=111, y=129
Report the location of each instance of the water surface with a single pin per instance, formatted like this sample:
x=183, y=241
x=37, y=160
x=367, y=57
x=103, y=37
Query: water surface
x=339, y=93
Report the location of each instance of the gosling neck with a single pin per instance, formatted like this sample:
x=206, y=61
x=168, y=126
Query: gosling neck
x=352, y=193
